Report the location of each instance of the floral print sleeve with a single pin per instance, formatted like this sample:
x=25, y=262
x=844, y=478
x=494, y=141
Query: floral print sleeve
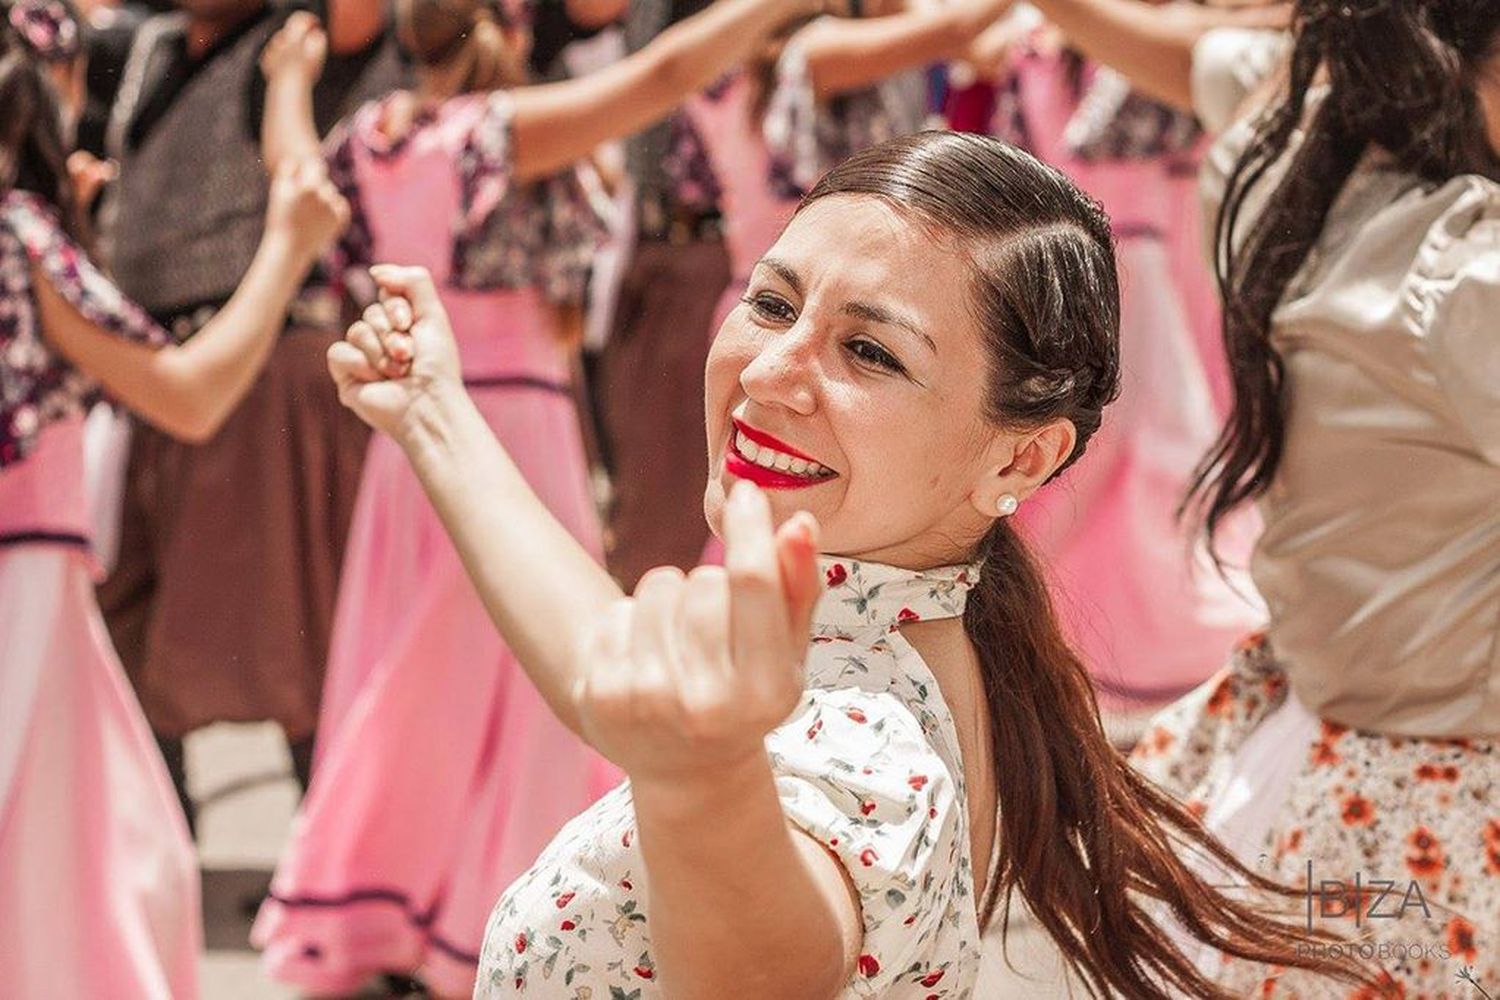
x=857, y=774
x=38, y=386
x=543, y=234
x=353, y=252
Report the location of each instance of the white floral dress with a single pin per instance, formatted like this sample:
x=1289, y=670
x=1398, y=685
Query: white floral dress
x=868, y=764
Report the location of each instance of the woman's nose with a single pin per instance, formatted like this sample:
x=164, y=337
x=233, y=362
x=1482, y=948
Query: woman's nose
x=784, y=372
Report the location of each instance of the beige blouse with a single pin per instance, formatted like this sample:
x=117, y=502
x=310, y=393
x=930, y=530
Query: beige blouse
x=1380, y=561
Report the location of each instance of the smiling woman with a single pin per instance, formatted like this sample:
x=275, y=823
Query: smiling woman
x=825, y=753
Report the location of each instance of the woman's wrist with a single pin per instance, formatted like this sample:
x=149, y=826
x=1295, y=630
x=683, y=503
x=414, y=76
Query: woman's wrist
x=691, y=796
x=432, y=428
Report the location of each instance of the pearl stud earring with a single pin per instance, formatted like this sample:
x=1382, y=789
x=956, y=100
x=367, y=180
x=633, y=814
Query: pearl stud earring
x=1008, y=505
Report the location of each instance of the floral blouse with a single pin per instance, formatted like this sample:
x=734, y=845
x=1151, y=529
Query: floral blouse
x=37, y=385
x=868, y=764
x=506, y=235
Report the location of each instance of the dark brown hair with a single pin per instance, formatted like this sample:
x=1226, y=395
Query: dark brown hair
x=33, y=150
x=1094, y=849
x=1401, y=78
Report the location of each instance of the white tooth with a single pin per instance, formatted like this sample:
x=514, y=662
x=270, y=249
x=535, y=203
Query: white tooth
x=748, y=448
x=766, y=459
x=799, y=467
x=814, y=469
x=783, y=462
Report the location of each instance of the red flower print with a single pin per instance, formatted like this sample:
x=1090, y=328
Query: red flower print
x=932, y=813
x=917, y=781
x=908, y=615
x=868, y=857
x=1221, y=702
x=866, y=807
x=1358, y=811
x=1425, y=856
x=644, y=972
x=909, y=920
x=1159, y=740
x=856, y=715
x=626, y=885
x=1431, y=772
x=932, y=979
x=1492, y=832
x=564, y=900
x=1461, y=940
x=837, y=574
x=627, y=837
x=868, y=967
x=568, y=925
x=1492, y=858
x=833, y=841
x=520, y=944
x=814, y=729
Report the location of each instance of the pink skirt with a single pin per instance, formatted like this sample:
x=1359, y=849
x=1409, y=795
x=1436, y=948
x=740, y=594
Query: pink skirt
x=440, y=773
x=98, y=881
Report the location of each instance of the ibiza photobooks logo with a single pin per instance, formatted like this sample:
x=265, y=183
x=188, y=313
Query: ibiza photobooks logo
x=1365, y=899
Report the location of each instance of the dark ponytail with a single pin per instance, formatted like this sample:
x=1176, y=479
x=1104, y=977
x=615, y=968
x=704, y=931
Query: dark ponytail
x=33, y=151
x=1094, y=850
x=1401, y=78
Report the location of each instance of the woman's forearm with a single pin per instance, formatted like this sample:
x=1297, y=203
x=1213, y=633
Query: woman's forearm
x=1150, y=44
x=187, y=390
x=557, y=124
x=845, y=55
x=537, y=582
x=740, y=904
x=288, y=131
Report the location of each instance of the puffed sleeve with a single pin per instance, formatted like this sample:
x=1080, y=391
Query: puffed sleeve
x=36, y=384
x=1456, y=304
x=856, y=773
x=347, y=261
x=542, y=234
x=807, y=137
x=1229, y=64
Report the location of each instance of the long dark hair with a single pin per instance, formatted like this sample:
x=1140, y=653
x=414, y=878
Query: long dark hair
x=1401, y=78
x=1092, y=847
x=33, y=151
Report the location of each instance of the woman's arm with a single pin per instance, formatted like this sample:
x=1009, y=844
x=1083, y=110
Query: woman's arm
x=1152, y=44
x=188, y=390
x=557, y=124
x=845, y=55
x=292, y=62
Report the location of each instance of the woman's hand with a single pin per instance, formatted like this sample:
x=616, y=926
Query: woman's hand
x=399, y=355
x=89, y=174
x=305, y=209
x=684, y=680
x=296, y=52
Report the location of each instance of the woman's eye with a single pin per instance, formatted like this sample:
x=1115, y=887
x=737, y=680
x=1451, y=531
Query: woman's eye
x=872, y=353
x=772, y=307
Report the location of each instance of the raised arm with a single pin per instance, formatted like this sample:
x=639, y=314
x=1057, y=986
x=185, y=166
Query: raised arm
x=844, y=55
x=678, y=686
x=188, y=390
x=292, y=62
x=557, y=124
x=1152, y=44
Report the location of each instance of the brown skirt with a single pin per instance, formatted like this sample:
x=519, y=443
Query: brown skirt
x=223, y=596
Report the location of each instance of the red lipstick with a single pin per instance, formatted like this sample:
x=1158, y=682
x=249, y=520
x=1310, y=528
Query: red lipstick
x=741, y=467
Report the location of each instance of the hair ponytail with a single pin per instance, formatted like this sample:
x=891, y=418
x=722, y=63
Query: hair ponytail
x=1094, y=849
x=468, y=34
x=1400, y=77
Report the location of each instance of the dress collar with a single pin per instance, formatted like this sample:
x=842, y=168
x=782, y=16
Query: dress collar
x=865, y=598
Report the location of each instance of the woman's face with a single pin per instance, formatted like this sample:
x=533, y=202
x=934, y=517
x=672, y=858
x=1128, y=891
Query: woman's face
x=1489, y=96
x=855, y=359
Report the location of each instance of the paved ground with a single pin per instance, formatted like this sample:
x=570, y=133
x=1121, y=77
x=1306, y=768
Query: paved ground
x=241, y=777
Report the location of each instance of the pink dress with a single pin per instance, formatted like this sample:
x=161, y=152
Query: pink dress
x=98, y=882
x=440, y=772
x=1148, y=617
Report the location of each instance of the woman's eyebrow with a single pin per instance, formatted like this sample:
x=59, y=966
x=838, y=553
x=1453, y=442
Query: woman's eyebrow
x=784, y=272
x=873, y=313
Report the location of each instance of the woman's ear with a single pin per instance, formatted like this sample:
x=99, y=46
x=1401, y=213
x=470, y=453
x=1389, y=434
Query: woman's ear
x=1020, y=464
